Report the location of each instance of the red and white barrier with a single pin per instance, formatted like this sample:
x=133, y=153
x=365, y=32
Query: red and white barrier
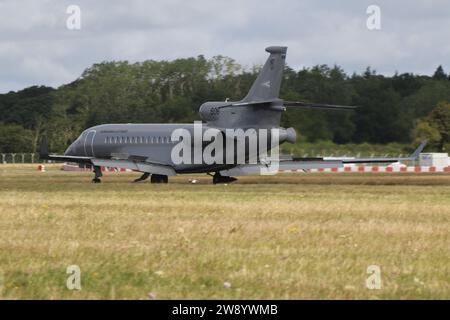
x=380, y=169
x=114, y=169
x=345, y=169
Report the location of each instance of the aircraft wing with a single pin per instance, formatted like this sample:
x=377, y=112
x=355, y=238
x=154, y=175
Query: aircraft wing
x=253, y=169
x=63, y=158
x=141, y=166
x=312, y=163
x=136, y=163
x=411, y=157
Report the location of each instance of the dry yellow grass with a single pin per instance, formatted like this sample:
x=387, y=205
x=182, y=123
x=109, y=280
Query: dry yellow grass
x=285, y=237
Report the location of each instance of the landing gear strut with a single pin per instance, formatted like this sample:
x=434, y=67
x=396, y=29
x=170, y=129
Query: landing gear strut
x=143, y=177
x=159, y=178
x=218, y=178
x=98, y=174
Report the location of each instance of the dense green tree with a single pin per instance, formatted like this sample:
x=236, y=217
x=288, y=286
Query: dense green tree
x=435, y=127
x=172, y=91
x=15, y=138
x=439, y=74
x=439, y=118
x=31, y=108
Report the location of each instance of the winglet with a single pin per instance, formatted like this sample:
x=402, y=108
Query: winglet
x=419, y=149
x=43, y=148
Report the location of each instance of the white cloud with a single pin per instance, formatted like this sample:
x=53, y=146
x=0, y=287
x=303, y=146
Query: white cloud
x=36, y=47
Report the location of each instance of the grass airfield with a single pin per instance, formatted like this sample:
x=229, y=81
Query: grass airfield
x=291, y=236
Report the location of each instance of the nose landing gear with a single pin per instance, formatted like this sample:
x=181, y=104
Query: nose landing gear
x=97, y=174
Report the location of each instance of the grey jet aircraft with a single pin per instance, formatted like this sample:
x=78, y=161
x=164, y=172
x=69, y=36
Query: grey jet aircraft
x=147, y=148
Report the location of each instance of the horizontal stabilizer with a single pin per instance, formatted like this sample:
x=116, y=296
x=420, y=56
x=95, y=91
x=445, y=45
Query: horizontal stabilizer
x=281, y=104
x=311, y=105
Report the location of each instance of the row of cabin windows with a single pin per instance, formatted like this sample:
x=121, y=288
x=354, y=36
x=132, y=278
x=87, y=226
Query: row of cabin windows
x=137, y=140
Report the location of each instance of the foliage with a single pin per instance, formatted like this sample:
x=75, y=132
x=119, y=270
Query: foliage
x=435, y=127
x=172, y=91
x=14, y=138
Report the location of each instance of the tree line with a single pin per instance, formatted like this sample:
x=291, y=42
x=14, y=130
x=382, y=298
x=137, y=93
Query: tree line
x=403, y=108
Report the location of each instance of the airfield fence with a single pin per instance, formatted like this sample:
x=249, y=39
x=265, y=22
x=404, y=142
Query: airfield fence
x=19, y=157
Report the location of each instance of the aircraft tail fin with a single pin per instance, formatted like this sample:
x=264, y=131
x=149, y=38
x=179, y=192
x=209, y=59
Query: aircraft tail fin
x=267, y=84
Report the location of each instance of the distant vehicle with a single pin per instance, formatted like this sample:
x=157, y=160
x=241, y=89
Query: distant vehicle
x=149, y=148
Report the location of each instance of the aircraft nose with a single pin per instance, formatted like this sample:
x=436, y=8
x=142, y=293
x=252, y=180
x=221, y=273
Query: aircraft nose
x=73, y=149
x=76, y=148
x=70, y=151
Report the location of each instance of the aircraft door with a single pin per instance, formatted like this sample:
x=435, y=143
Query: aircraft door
x=89, y=144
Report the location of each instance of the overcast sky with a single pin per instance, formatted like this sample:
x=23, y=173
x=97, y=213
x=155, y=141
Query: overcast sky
x=36, y=47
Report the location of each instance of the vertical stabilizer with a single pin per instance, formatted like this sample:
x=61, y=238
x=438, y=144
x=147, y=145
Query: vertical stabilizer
x=267, y=84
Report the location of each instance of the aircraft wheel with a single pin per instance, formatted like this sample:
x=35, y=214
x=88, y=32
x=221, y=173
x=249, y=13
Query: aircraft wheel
x=159, y=178
x=144, y=176
x=218, y=178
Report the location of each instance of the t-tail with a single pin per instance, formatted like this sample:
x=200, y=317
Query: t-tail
x=261, y=107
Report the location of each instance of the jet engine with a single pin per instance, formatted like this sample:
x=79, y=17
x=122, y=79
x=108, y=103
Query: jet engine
x=288, y=135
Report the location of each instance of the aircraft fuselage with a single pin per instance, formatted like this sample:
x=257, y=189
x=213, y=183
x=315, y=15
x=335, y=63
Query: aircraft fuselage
x=145, y=142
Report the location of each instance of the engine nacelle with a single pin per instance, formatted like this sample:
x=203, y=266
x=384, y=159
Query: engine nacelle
x=288, y=135
x=209, y=111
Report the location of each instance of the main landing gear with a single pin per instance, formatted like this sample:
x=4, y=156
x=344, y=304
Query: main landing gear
x=218, y=178
x=155, y=178
x=97, y=174
x=159, y=178
x=143, y=177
